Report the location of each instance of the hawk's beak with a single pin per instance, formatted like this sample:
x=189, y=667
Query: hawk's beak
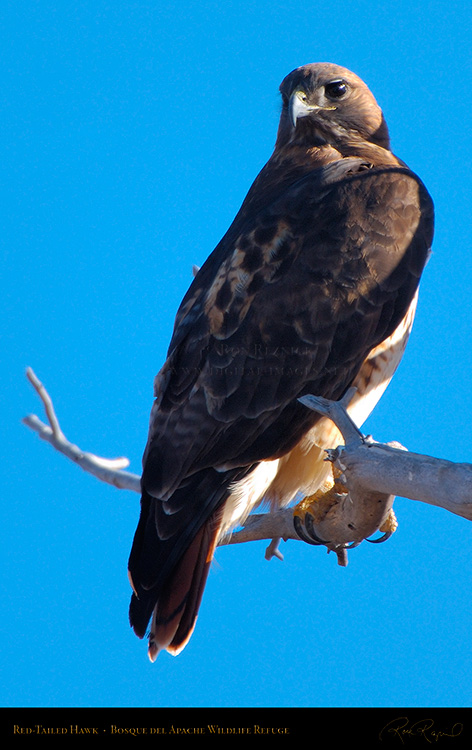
x=298, y=107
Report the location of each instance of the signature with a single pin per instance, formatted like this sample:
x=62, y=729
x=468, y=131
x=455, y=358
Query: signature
x=402, y=729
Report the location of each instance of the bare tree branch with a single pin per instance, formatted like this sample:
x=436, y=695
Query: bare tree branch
x=390, y=469
x=370, y=475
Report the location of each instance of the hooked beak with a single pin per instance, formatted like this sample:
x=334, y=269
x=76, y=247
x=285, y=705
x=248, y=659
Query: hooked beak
x=298, y=107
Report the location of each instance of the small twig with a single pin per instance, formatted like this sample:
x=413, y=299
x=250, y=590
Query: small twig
x=337, y=412
x=106, y=469
x=47, y=402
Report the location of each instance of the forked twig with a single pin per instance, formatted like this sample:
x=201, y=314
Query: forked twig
x=106, y=469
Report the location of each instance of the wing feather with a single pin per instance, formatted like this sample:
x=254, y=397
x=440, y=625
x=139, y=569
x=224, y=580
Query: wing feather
x=292, y=301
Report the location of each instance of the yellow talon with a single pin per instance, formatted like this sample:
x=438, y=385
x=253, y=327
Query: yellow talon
x=318, y=504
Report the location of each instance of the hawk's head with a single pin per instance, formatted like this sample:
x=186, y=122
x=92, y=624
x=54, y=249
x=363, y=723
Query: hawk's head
x=325, y=103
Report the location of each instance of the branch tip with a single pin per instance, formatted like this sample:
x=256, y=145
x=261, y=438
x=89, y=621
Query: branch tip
x=109, y=470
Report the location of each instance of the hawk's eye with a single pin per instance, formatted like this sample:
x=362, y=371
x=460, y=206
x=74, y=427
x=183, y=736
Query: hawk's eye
x=335, y=89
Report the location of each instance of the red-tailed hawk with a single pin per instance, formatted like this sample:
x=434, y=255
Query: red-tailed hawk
x=311, y=290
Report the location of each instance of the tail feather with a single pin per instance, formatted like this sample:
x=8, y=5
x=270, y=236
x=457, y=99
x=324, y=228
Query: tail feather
x=170, y=558
x=176, y=610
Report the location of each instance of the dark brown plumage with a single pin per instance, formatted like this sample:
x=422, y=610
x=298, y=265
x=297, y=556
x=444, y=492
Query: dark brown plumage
x=312, y=289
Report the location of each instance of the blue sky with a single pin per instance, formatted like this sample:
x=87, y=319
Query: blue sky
x=131, y=132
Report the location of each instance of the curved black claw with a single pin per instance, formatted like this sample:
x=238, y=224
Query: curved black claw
x=310, y=527
x=352, y=545
x=299, y=528
x=381, y=539
x=307, y=531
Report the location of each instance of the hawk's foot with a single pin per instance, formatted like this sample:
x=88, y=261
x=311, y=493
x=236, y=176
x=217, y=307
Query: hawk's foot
x=312, y=510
